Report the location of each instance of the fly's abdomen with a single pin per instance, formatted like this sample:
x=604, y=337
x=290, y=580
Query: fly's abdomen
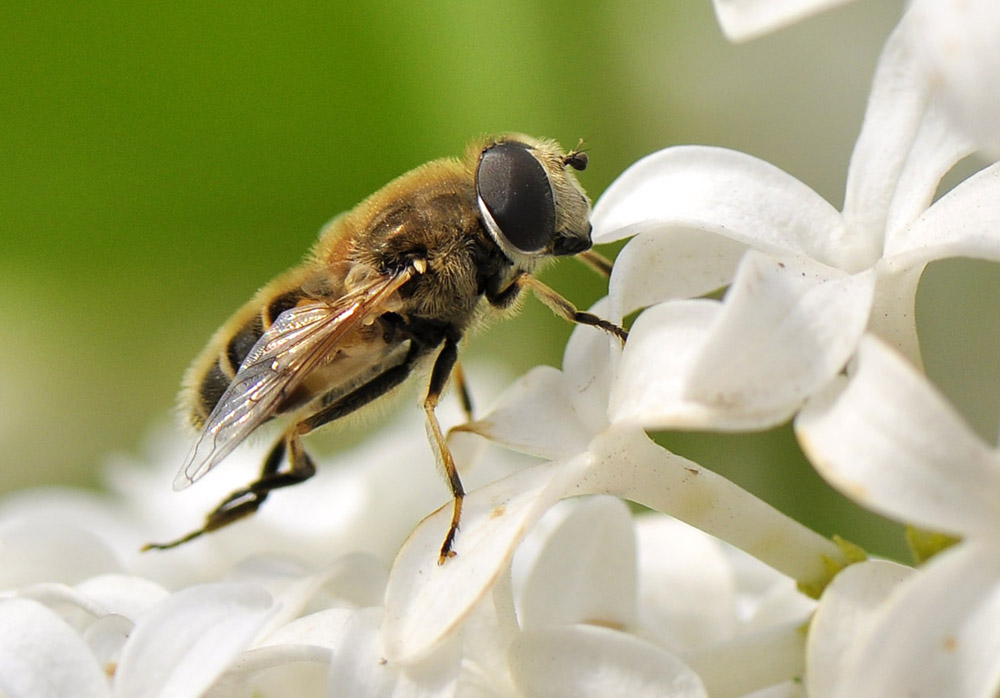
x=212, y=382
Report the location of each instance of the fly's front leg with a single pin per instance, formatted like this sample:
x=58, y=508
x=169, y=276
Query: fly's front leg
x=244, y=502
x=555, y=302
x=443, y=366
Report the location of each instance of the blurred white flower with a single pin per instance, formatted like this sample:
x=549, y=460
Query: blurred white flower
x=285, y=603
x=747, y=19
x=887, y=439
x=956, y=44
x=805, y=281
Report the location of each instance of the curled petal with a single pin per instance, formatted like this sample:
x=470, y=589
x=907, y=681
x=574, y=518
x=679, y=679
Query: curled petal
x=787, y=326
x=890, y=441
x=721, y=192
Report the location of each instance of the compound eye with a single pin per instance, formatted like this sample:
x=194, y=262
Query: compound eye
x=515, y=190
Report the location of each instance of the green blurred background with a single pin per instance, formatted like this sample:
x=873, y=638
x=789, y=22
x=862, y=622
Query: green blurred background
x=159, y=162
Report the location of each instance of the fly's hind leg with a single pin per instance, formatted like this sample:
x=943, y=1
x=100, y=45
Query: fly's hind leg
x=244, y=502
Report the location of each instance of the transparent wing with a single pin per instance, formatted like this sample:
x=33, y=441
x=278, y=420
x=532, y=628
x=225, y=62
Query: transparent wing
x=292, y=346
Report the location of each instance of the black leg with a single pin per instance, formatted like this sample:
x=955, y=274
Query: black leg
x=246, y=501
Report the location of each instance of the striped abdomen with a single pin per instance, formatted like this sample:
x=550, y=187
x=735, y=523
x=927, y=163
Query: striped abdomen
x=213, y=382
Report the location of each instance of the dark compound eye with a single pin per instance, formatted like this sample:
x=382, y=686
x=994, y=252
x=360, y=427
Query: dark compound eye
x=515, y=189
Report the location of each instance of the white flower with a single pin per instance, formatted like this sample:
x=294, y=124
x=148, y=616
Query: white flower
x=805, y=281
x=888, y=440
x=956, y=43
x=563, y=416
x=746, y=19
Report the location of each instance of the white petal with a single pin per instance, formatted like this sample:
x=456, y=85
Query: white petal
x=904, y=149
x=958, y=48
x=963, y=223
x=185, y=643
x=106, y=637
x=893, y=316
x=845, y=614
x=676, y=263
x=937, y=634
x=535, y=415
x=721, y=192
x=425, y=601
x=41, y=656
x=360, y=667
x=785, y=329
x=664, y=344
x=747, y=19
x=588, y=365
x=586, y=569
x=890, y=441
x=787, y=326
x=582, y=661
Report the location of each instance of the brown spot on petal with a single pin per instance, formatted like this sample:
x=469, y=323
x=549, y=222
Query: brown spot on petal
x=610, y=624
x=498, y=512
x=950, y=643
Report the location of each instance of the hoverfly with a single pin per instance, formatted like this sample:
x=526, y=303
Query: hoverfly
x=388, y=290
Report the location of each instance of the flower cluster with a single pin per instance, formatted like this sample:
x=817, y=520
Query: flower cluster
x=559, y=588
